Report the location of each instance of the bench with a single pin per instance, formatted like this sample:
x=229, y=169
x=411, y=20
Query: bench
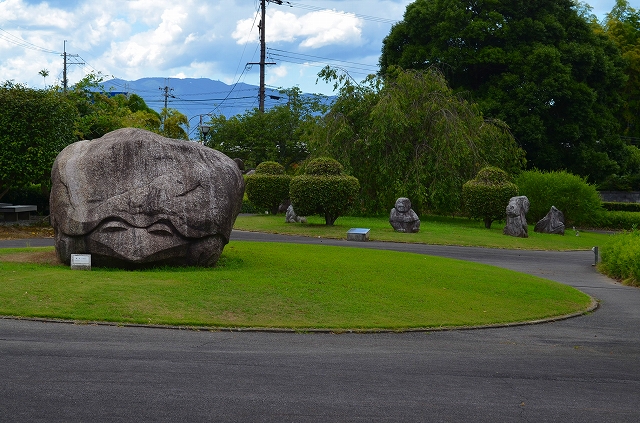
x=15, y=213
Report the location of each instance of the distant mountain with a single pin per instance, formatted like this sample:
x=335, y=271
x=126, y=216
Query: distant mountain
x=195, y=96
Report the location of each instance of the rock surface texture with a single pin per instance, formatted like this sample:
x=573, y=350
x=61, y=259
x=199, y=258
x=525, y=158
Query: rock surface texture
x=403, y=218
x=136, y=199
x=517, y=217
x=552, y=223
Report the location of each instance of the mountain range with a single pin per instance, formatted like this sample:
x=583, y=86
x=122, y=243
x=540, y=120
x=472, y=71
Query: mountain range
x=195, y=96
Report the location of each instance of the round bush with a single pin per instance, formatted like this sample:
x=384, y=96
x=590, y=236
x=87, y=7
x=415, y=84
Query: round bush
x=486, y=197
x=571, y=194
x=270, y=168
x=326, y=194
x=268, y=187
x=324, y=166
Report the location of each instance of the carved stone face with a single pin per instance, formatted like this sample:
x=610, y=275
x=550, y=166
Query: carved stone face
x=133, y=198
x=403, y=205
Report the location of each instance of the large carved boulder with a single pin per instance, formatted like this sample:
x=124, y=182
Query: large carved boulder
x=402, y=218
x=552, y=223
x=136, y=199
x=517, y=217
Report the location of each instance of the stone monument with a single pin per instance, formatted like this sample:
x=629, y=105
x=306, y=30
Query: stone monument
x=403, y=218
x=516, y=217
x=292, y=217
x=552, y=223
x=136, y=199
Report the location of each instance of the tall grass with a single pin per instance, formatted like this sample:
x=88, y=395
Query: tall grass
x=621, y=257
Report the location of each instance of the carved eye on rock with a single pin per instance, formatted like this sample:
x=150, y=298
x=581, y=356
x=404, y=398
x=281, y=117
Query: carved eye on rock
x=160, y=229
x=114, y=226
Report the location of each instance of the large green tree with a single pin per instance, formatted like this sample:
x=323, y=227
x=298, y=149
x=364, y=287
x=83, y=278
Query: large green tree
x=409, y=135
x=35, y=125
x=279, y=134
x=537, y=65
x=622, y=26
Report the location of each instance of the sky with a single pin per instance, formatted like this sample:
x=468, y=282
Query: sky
x=216, y=39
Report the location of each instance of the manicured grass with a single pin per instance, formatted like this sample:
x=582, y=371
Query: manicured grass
x=436, y=230
x=286, y=286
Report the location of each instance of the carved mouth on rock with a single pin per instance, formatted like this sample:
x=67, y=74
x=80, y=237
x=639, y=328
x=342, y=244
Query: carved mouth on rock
x=123, y=241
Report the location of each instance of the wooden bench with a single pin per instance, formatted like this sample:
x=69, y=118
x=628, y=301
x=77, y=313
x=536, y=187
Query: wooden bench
x=15, y=213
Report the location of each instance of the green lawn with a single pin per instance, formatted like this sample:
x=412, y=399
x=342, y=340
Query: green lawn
x=287, y=286
x=436, y=230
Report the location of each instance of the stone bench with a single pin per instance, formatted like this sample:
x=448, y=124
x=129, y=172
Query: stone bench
x=15, y=213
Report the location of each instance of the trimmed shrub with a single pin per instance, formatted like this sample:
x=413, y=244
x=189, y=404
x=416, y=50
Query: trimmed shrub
x=329, y=194
x=629, y=207
x=268, y=187
x=621, y=258
x=486, y=197
x=618, y=220
x=571, y=194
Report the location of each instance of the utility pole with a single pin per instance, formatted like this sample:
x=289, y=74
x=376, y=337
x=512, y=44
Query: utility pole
x=263, y=50
x=166, y=93
x=65, y=64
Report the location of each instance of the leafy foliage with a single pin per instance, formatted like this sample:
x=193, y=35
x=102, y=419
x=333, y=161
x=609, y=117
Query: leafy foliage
x=100, y=113
x=409, y=135
x=268, y=187
x=35, y=125
x=279, y=134
x=486, y=197
x=538, y=66
x=571, y=194
x=174, y=124
x=327, y=194
x=622, y=26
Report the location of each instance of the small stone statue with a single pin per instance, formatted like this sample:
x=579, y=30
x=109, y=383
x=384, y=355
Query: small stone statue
x=516, y=217
x=402, y=218
x=292, y=217
x=552, y=223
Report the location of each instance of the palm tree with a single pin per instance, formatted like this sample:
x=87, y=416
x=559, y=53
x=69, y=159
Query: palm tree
x=44, y=73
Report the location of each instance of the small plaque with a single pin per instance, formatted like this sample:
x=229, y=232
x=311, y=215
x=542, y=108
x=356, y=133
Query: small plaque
x=81, y=261
x=358, y=234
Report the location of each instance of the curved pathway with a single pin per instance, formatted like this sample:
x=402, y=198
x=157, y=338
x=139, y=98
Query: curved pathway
x=581, y=369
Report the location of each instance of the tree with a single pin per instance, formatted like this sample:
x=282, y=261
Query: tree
x=279, y=134
x=174, y=124
x=44, y=73
x=409, y=135
x=622, y=26
x=487, y=195
x=35, y=125
x=323, y=189
x=101, y=112
x=536, y=65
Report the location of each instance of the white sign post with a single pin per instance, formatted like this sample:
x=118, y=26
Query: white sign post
x=81, y=261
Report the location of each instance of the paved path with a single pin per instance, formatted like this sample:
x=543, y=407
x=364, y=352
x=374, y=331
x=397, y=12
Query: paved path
x=581, y=369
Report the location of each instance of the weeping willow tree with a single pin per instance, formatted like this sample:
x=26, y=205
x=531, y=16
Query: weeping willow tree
x=408, y=135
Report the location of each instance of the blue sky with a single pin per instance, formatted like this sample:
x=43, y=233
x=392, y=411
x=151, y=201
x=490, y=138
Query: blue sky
x=132, y=39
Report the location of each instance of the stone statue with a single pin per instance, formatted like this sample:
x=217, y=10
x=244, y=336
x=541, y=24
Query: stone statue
x=292, y=217
x=136, y=199
x=403, y=218
x=552, y=223
x=516, y=217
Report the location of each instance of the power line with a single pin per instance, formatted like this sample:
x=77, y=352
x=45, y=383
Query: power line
x=13, y=39
x=335, y=12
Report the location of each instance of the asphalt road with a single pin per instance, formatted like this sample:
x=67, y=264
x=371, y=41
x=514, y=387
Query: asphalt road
x=581, y=369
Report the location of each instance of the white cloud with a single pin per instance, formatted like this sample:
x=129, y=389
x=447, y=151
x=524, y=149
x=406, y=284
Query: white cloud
x=316, y=29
